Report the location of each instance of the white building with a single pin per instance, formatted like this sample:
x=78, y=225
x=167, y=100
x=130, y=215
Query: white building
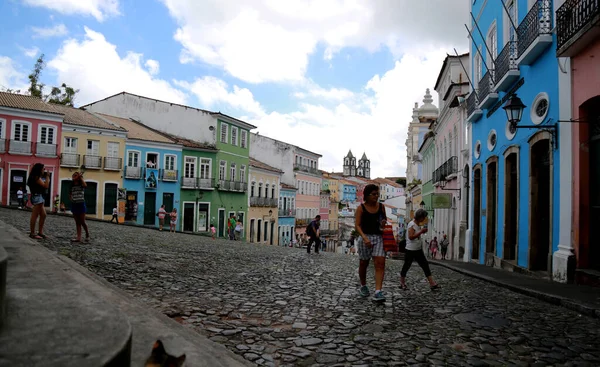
x=418, y=127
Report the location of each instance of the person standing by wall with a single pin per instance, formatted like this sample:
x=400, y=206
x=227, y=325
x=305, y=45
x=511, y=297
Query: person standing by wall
x=78, y=207
x=370, y=218
x=38, y=182
x=162, y=213
x=444, y=246
x=414, y=249
x=20, y=198
x=173, y=220
x=115, y=216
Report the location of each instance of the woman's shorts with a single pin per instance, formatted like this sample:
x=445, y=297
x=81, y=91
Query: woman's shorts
x=37, y=199
x=78, y=208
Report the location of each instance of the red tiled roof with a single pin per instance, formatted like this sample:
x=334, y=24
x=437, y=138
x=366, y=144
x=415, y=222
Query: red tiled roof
x=261, y=165
x=23, y=102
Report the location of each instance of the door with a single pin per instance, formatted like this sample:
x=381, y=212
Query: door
x=593, y=115
x=110, y=197
x=511, y=205
x=539, y=232
x=167, y=201
x=150, y=208
x=133, y=165
x=266, y=231
x=131, y=206
x=203, y=218
x=112, y=156
x=189, y=172
x=18, y=179
x=92, y=158
x=258, y=231
x=188, y=217
x=252, y=230
x=222, y=223
x=272, y=230
x=205, y=173
x=91, y=197
x=69, y=155
x=492, y=188
x=476, y=213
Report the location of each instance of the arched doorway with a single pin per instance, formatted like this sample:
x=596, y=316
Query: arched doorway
x=590, y=111
x=476, y=211
x=511, y=203
x=540, y=201
x=491, y=209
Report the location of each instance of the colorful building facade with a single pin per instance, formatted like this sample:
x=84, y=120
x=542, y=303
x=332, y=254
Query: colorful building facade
x=30, y=132
x=287, y=213
x=263, y=223
x=308, y=183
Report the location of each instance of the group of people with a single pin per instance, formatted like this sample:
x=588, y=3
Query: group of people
x=162, y=213
x=433, y=247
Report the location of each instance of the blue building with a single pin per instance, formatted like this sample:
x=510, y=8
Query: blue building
x=151, y=176
x=287, y=214
x=514, y=193
x=349, y=192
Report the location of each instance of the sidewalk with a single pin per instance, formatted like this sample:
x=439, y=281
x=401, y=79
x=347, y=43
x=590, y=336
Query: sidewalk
x=579, y=298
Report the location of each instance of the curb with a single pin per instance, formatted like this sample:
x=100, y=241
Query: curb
x=546, y=297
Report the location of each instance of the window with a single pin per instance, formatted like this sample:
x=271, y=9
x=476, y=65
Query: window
x=133, y=159
x=93, y=148
x=244, y=139
x=152, y=160
x=222, y=166
x=46, y=134
x=252, y=188
x=170, y=162
x=492, y=42
x=273, y=191
x=477, y=149
x=477, y=69
x=70, y=146
x=242, y=173
x=267, y=190
x=205, y=168
x=189, y=170
x=232, y=172
x=2, y=122
x=510, y=34
x=234, y=136
x=223, y=133
x=260, y=187
x=20, y=131
x=539, y=108
x=112, y=149
x=492, y=140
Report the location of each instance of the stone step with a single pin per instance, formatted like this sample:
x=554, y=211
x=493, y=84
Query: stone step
x=51, y=318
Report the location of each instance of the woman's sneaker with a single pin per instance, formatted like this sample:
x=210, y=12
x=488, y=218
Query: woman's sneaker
x=364, y=291
x=378, y=297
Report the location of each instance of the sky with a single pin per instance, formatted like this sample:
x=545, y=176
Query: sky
x=325, y=75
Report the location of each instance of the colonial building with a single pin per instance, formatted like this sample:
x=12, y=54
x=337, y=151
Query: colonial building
x=513, y=108
x=30, y=132
x=578, y=48
x=96, y=146
x=150, y=175
x=421, y=119
x=287, y=213
x=363, y=169
x=264, y=182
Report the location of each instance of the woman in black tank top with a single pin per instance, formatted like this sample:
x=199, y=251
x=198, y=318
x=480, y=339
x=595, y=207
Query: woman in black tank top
x=369, y=221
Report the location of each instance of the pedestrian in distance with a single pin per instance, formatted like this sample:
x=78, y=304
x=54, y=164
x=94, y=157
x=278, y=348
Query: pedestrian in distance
x=213, y=231
x=38, y=182
x=231, y=227
x=238, y=231
x=433, y=247
x=313, y=232
x=414, y=249
x=78, y=208
x=162, y=213
x=173, y=220
x=56, y=204
x=370, y=219
x=20, y=198
x=115, y=216
x=444, y=247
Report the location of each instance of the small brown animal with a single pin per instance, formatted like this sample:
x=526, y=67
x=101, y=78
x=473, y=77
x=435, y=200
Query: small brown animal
x=160, y=357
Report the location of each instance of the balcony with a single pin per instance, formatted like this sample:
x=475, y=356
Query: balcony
x=113, y=163
x=2, y=146
x=134, y=173
x=487, y=94
x=263, y=202
x=287, y=212
x=237, y=186
x=577, y=25
x=448, y=168
x=302, y=222
x=534, y=34
x=20, y=147
x=308, y=169
x=473, y=111
x=329, y=232
x=197, y=183
x=70, y=160
x=169, y=175
x=92, y=161
x=506, y=68
x=45, y=150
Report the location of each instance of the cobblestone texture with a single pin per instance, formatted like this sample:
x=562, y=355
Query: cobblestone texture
x=281, y=307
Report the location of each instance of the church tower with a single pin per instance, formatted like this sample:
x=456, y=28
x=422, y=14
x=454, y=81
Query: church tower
x=364, y=167
x=349, y=164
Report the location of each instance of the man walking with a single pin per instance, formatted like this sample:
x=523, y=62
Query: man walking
x=313, y=232
x=444, y=246
x=231, y=226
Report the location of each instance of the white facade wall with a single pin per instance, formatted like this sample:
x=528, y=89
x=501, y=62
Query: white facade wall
x=187, y=122
x=276, y=154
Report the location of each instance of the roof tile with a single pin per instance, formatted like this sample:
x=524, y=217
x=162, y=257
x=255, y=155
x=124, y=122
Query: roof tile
x=24, y=102
x=136, y=130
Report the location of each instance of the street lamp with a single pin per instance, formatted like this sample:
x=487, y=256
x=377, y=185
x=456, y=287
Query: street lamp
x=514, y=112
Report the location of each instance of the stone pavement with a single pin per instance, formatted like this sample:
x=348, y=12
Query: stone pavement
x=580, y=298
x=280, y=306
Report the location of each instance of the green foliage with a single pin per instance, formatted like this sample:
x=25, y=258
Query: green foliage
x=63, y=95
x=401, y=181
x=35, y=87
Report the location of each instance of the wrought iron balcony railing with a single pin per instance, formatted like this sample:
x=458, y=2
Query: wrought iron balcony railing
x=537, y=22
x=113, y=163
x=168, y=174
x=303, y=168
x=506, y=60
x=20, y=147
x=70, y=160
x=263, y=202
x=472, y=102
x=486, y=85
x=287, y=212
x=197, y=183
x=92, y=161
x=238, y=186
x=446, y=169
x=134, y=173
x=572, y=17
x=45, y=150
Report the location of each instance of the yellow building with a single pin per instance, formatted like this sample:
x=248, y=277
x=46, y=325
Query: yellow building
x=263, y=181
x=95, y=146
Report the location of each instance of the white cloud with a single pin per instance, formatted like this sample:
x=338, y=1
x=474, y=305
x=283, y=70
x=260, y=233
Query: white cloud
x=272, y=40
x=153, y=66
x=30, y=52
x=58, y=30
x=99, y=9
x=94, y=66
x=323, y=94
x=11, y=77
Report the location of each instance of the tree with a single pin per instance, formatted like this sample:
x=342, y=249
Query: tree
x=63, y=95
x=401, y=181
x=35, y=87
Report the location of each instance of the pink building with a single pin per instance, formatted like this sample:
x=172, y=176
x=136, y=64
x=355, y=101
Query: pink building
x=324, y=210
x=29, y=132
x=308, y=183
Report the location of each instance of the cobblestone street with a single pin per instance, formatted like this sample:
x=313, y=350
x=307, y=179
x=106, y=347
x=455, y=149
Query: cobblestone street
x=280, y=306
